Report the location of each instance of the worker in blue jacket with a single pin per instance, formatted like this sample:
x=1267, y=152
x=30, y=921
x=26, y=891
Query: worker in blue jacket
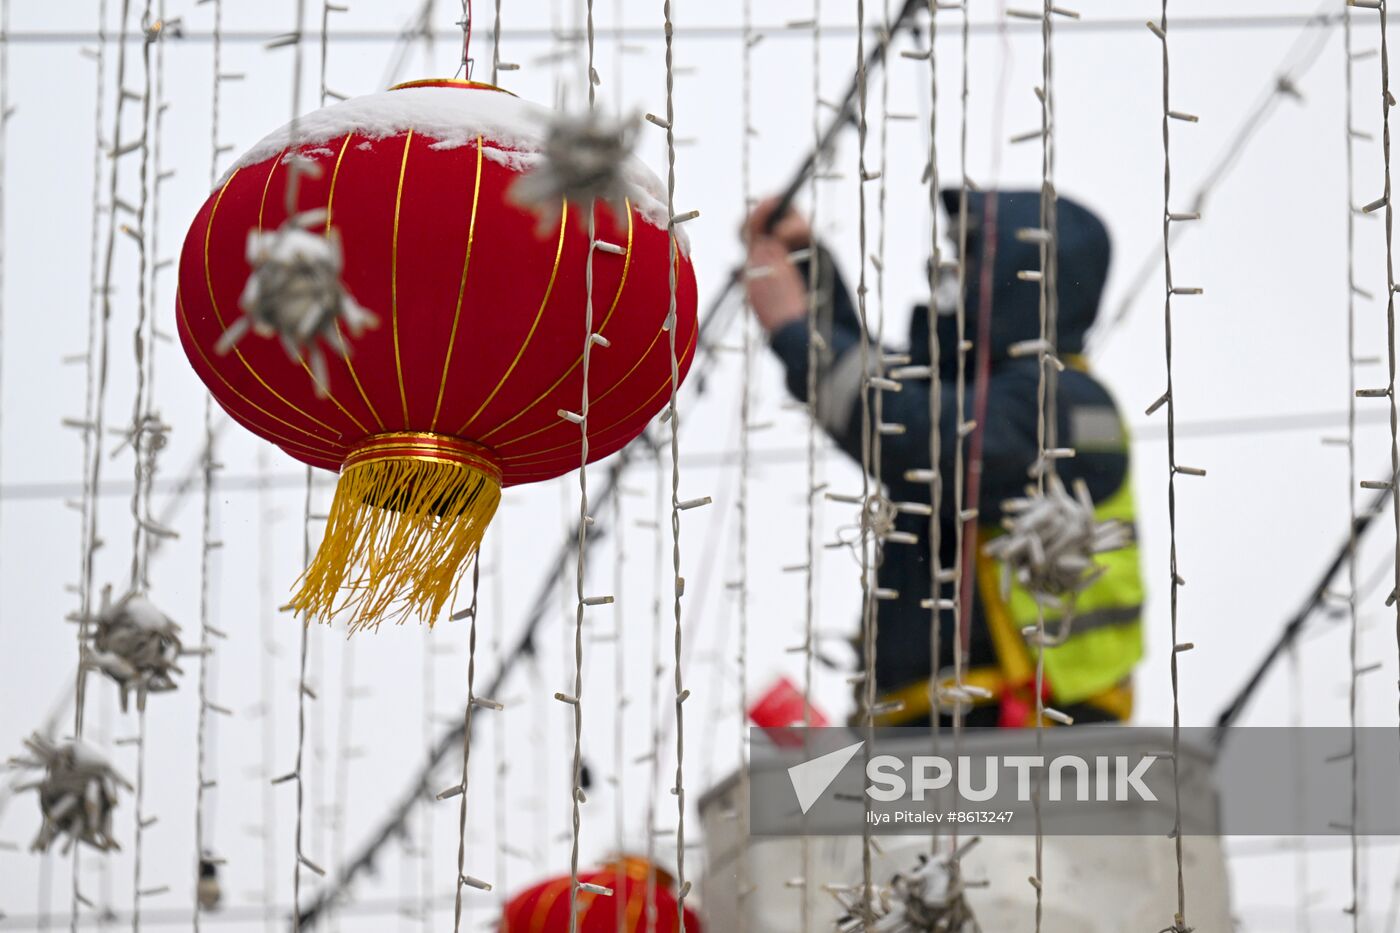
x=1088, y=676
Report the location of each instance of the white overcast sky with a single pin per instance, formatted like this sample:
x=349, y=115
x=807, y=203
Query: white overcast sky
x=1267, y=341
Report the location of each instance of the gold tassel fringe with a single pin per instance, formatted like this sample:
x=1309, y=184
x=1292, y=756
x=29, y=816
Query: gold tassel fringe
x=404, y=526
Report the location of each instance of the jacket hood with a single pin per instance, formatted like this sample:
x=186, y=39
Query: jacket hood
x=1083, y=258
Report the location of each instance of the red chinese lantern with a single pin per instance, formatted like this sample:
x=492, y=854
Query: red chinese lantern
x=544, y=908
x=462, y=387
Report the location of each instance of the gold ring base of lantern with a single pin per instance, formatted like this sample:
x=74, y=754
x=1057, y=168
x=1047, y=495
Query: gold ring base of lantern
x=409, y=513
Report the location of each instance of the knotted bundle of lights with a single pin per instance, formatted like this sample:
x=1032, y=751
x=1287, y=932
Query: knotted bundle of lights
x=137, y=646
x=77, y=794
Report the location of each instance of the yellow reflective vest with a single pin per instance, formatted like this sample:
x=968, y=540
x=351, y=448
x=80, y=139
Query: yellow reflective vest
x=1105, y=641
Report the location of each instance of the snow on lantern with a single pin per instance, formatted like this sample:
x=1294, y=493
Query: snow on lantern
x=438, y=372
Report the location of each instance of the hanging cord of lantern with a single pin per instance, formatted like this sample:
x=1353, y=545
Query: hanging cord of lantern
x=1171, y=289
x=465, y=24
x=327, y=8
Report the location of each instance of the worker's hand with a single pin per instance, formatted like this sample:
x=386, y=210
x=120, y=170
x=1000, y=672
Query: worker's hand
x=791, y=229
x=777, y=292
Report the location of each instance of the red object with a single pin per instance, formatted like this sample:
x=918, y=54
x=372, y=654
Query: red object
x=544, y=908
x=462, y=387
x=781, y=706
x=481, y=319
x=1017, y=705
